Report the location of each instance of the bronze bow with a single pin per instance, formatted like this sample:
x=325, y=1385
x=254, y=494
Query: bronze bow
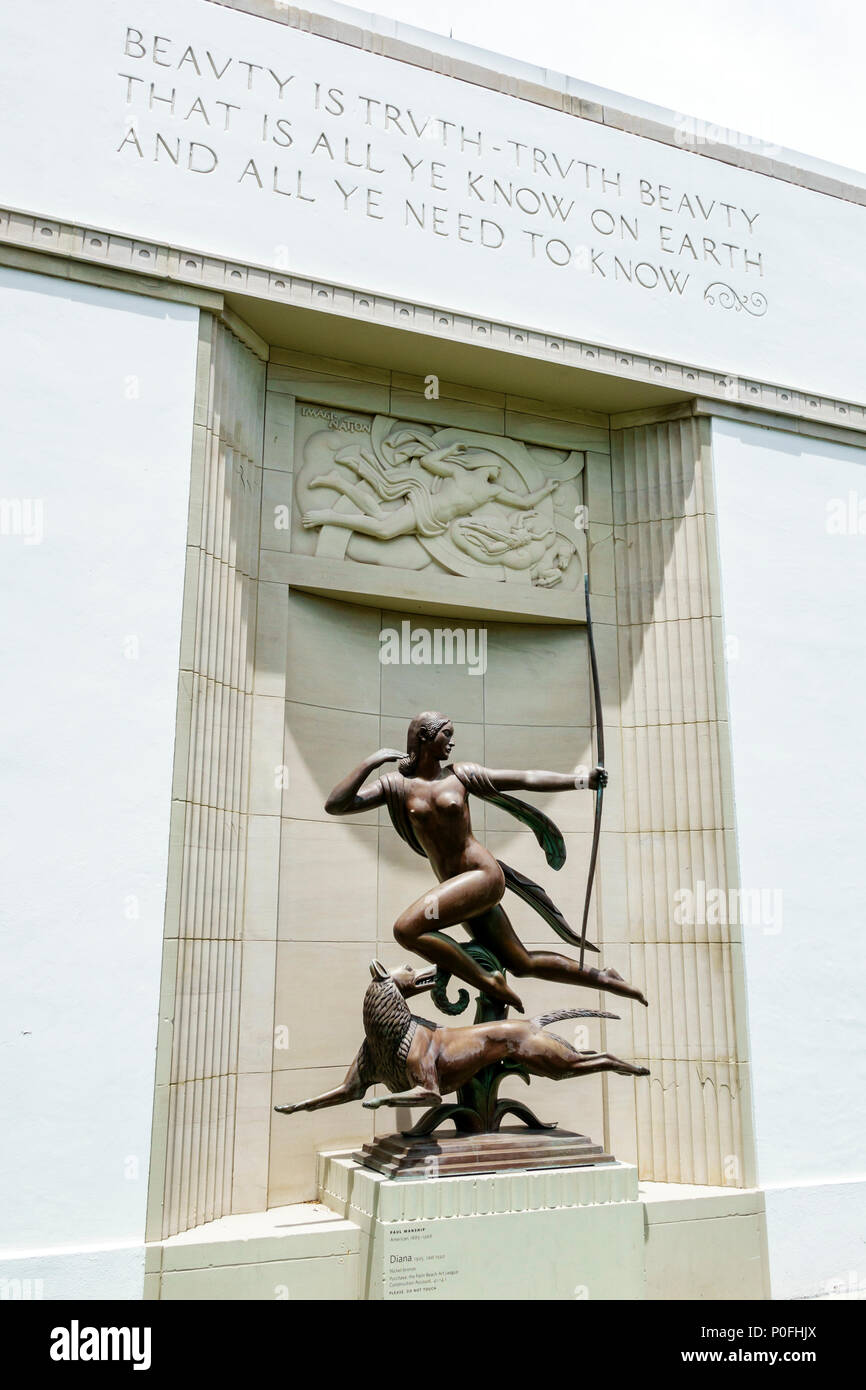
x=599, y=742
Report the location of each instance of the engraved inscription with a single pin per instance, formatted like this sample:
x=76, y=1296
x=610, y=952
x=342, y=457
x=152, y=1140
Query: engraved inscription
x=277, y=129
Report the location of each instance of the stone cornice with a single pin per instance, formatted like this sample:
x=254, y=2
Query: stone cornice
x=29, y=241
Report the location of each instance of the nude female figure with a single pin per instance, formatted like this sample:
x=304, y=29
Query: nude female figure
x=428, y=799
x=464, y=487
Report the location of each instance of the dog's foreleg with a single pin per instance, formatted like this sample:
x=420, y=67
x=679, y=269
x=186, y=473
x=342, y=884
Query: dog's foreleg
x=351, y=1088
x=419, y=1095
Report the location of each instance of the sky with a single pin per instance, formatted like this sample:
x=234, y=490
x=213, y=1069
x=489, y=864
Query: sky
x=790, y=72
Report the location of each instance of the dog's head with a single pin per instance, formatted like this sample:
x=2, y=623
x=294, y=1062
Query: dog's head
x=408, y=980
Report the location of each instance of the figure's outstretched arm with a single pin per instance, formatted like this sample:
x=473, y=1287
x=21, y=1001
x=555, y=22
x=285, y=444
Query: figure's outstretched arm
x=435, y=462
x=351, y=1088
x=347, y=799
x=528, y=499
x=506, y=780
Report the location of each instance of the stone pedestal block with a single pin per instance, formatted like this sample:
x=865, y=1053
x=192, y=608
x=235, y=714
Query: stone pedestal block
x=560, y=1233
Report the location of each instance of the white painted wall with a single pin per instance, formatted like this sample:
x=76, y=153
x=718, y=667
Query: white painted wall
x=793, y=599
x=185, y=70
x=97, y=428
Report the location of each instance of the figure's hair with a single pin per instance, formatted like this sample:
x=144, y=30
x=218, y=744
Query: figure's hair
x=423, y=728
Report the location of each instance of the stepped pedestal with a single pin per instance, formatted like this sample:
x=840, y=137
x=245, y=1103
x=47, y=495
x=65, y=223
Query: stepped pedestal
x=452, y=1155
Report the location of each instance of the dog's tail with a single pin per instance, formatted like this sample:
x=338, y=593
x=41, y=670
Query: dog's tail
x=542, y=1020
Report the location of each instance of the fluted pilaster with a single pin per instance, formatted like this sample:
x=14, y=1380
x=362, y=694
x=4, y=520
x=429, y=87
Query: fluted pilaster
x=197, y=1065
x=693, y=1118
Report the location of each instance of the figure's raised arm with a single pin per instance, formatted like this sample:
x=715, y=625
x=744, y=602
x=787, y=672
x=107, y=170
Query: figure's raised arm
x=527, y=500
x=347, y=799
x=507, y=780
x=437, y=460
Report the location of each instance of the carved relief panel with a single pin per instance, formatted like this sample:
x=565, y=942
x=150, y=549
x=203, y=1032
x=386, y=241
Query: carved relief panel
x=383, y=491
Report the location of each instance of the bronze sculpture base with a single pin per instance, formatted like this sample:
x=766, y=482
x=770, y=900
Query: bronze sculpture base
x=452, y=1155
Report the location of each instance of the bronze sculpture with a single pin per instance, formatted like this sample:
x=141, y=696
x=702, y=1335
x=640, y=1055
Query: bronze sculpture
x=429, y=808
x=420, y=1061
x=428, y=802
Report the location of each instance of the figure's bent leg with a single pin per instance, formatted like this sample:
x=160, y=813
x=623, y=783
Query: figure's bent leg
x=493, y=929
x=351, y=490
x=612, y=982
x=386, y=527
x=419, y=929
